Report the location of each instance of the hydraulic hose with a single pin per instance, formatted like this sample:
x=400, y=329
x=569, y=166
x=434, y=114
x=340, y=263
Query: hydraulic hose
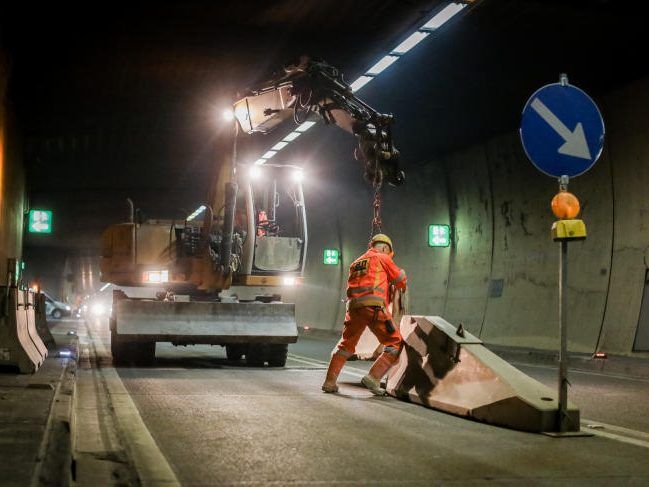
x=228, y=226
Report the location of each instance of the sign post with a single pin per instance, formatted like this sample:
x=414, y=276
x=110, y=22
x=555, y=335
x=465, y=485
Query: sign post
x=562, y=132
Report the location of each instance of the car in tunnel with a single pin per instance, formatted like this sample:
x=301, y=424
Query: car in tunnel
x=55, y=308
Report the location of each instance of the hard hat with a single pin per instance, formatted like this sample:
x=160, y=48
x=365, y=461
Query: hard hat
x=383, y=238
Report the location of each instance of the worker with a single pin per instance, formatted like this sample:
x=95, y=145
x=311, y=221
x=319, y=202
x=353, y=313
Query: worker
x=370, y=276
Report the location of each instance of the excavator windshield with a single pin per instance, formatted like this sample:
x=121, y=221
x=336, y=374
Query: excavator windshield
x=280, y=220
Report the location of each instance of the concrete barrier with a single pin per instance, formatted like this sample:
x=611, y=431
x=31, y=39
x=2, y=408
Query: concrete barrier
x=17, y=348
x=30, y=313
x=449, y=369
x=41, y=321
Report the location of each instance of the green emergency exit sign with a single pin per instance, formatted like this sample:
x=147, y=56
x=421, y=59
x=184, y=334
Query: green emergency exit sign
x=331, y=257
x=439, y=235
x=40, y=221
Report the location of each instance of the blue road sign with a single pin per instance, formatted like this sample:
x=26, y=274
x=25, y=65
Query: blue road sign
x=562, y=130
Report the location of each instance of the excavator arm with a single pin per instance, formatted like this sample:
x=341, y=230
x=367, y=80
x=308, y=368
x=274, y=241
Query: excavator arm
x=316, y=87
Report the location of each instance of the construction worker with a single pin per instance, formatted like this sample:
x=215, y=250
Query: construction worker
x=370, y=277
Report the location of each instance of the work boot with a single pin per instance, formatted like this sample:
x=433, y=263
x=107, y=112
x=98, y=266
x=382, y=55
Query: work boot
x=335, y=366
x=374, y=385
x=380, y=367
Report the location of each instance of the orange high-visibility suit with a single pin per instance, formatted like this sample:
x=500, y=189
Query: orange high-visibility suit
x=368, y=286
x=368, y=291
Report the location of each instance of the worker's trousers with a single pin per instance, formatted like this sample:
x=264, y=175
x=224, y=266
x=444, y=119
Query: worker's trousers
x=357, y=320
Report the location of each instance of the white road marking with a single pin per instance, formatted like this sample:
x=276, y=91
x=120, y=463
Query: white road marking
x=584, y=423
x=151, y=465
x=584, y=372
x=360, y=373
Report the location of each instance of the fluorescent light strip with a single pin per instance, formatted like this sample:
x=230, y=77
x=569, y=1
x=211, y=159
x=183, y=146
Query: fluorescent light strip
x=269, y=154
x=360, y=82
x=443, y=16
x=197, y=212
x=291, y=137
x=260, y=161
x=384, y=62
x=412, y=40
x=304, y=126
x=104, y=287
x=279, y=146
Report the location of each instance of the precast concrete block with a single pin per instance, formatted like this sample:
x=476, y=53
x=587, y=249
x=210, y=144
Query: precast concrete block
x=17, y=348
x=30, y=312
x=41, y=321
x=449, y=369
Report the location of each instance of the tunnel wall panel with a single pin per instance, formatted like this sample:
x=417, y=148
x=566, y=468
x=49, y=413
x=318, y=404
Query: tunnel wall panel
x=471, y=215
x=627, y=119
x=12, y=179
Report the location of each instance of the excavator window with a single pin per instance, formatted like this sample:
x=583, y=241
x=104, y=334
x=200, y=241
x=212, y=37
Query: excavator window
x=279, y=221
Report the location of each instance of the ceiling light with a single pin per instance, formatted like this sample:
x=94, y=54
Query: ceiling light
x=279, y=146
x=291, y=137
x=385, y=62
x=304, y=126
x=414, y=39
x=360, y=82
x=441, y=17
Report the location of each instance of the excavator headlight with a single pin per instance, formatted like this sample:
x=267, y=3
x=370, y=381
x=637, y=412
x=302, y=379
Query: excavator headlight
x=155, y=277
x=255, y=172
x=289, y=281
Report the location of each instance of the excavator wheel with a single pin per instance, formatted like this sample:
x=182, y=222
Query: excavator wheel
x=235, y=352
x=277, y=354
x=256, y=355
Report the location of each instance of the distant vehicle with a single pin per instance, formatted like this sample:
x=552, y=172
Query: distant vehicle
x=55, y=308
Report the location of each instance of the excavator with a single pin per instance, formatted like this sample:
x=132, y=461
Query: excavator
x=252, y=234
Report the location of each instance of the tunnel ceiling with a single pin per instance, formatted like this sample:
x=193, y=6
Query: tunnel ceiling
x=119, y=100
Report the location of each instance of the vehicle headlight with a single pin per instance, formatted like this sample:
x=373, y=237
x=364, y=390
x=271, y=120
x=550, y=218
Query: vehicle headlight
x=98, y=309
x=67, y=308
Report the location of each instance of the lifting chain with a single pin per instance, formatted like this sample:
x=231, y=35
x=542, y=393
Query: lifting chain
x=377, y=224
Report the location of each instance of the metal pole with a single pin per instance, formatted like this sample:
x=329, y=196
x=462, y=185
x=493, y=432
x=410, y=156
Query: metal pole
x=563, y=328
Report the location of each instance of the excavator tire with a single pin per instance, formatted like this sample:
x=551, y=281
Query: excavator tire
x=277, y=354
x=256, y=355
x=235, y=352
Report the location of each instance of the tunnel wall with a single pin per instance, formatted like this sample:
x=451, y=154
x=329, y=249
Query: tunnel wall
x=12, y=178
x=500, y=275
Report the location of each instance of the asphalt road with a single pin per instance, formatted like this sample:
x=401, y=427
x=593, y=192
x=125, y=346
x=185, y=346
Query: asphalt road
x=197, y=419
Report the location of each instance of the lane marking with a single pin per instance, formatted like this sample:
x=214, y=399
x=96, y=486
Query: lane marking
x=584, y=422
x=619, y=429
x=578, y=371
x=613, y=436
x=150, y=464
x=354, y=372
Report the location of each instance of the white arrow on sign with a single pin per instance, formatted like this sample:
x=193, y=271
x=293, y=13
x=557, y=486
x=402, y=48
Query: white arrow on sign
x=575, y=141
x=40, y=226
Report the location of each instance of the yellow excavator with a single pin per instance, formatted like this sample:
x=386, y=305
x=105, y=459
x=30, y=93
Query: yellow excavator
x=252, y=233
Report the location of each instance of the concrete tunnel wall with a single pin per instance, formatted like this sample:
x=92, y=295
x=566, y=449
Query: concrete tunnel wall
x=498, y=206
x=12, y=179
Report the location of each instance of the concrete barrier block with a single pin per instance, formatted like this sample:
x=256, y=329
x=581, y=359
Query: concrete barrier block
x=30, y=311
x=454, y=372
x=16, y=345
x=42, y=327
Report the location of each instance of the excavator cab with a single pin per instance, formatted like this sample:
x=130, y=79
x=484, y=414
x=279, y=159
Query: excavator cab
x=274, y=249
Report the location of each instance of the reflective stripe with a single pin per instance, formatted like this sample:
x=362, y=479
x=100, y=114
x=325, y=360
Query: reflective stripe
x=391, y=350
x=399, y=278
x=343, y=353
x=363, y=289
x=369, y=300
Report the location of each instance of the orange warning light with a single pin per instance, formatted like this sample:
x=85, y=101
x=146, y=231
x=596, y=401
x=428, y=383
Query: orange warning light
x=565, y=205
